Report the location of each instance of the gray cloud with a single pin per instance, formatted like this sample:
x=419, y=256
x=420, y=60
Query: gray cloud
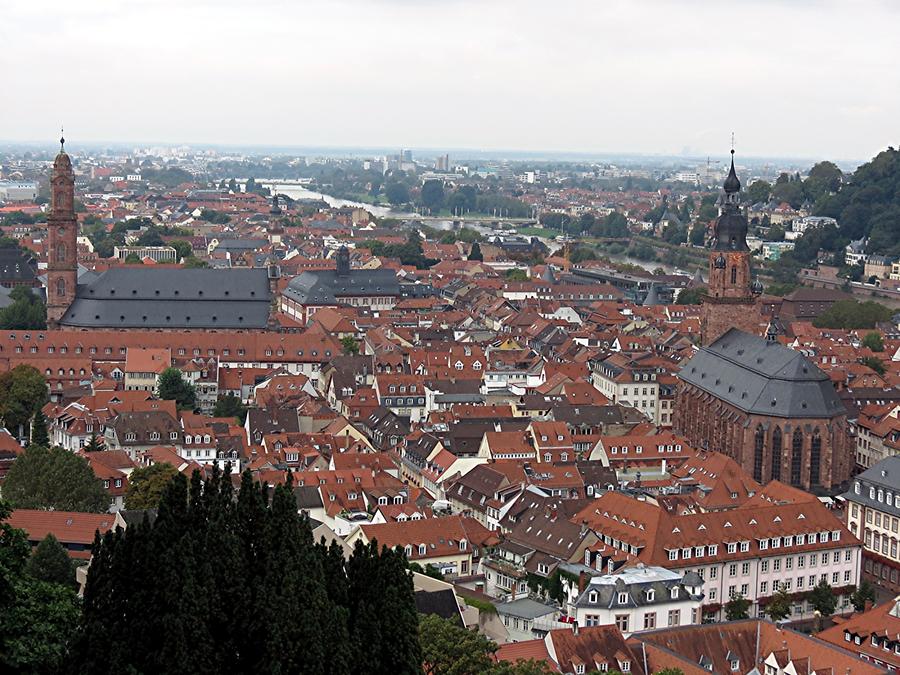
x=790, y=78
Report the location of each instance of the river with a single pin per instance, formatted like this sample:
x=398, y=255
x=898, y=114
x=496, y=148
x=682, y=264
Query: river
x=299, y=192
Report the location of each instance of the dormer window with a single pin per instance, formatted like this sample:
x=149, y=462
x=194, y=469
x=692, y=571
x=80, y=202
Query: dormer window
x=383, y=500
x=579, y=669
x=674, y=592
x=623, y=598
x=735, y=665
x=408, y=550
x=423, y=549
x=592, y=597
x=651, y=595
x=462, y=544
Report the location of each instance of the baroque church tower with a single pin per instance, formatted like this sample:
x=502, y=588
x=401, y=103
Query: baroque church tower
x=62, y=229
x=730, y=301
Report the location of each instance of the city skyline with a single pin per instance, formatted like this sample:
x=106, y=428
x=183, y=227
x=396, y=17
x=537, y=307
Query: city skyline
x=575, y=78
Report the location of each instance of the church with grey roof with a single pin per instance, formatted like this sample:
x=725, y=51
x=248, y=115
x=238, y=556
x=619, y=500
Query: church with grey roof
x=769, y=408
x=137, y=297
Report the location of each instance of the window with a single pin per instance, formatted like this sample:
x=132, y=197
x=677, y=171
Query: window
x=579, y=669
x=764, y=566
x=732, y=570
x=422, y=549
x=745, y=568
x=735, y=665
x=623, y=598
x=626, y=666
x=622, y=622
x=675, y=592
x=732, y=548
x=763, y=587
x=674, y=617
x=649, y=620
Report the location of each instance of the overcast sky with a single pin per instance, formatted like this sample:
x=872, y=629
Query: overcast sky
x=802, y=78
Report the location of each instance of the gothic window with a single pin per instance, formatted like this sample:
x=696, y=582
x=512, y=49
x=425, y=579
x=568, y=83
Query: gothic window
x=776, y=454
x=60, y=252
x=758, y=453
x=60, y=287
x=796, y=457
x=815, y=458
x=734, y=275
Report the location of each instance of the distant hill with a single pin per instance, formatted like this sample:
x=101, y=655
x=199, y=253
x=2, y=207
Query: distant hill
x=868, y=205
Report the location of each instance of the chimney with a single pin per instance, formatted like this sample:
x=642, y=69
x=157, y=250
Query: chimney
x=575, y=628
x=582, y=582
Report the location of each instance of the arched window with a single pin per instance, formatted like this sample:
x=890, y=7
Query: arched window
x=815, y=459
x=796, y=457
x=734, y=275
x=60, y=252
x=60, y=287
x=758, y=453
x=776, y=454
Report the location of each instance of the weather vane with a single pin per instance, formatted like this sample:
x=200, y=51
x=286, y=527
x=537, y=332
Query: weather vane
x=62, y=139
x=732, y=142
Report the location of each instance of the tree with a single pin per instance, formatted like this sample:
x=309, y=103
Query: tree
x=874, y=363
x=691, y=296
x=776, y=233
x=349, y=345
x=133, y=259
x=780, y=605
x=516, y=274
x=475, y=252
x=94, y=444
x=759, y=191
x=698, y=234
x=230, y=405
x=54, y=479
x=865, y=593
x=851, y=314
x=39, y=435
x=874, y=341
x=36, y=632
x=172, y=387
x=396, y=193
x=26, y=311
x=182, y=248
x=23, y=391
x=737, y=608
x=433, y=194
x=146, y=485
x=450, y=649
x=51, y=563
x=37, y=618
x=209, y=606
x=823, y=599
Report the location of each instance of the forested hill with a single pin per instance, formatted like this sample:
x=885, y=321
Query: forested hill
x=868, y=205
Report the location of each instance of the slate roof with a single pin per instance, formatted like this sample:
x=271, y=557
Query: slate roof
x=762, y=377
x=16, y=267
x=885, y=475
x=323, y=287
x=636, y=582
x=137, y=297
x=443, y=603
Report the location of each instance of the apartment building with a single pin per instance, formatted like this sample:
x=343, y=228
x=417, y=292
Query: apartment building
x=747, y=551
x=873, y=515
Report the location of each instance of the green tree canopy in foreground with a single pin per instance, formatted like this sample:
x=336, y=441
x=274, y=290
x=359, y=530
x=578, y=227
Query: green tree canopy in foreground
x=50, y=562
x=239, y=586
x=851, y=314
x=38, y=618
x=54, y=479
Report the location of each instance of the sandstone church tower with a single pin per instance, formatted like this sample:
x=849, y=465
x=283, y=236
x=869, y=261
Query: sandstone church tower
x=730, y=301
x=62, y=230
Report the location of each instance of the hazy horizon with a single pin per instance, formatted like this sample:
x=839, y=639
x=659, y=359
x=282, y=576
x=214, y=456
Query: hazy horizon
x=792, y=80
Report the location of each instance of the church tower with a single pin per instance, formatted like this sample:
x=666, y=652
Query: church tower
x=62, y=231
x=730, y=299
